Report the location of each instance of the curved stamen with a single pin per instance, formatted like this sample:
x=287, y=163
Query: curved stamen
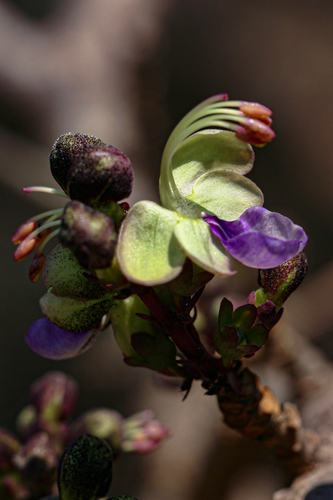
x=43, y=189
x=49, y=213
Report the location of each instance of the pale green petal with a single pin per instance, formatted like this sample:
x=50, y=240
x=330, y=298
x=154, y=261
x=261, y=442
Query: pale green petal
x=225, y=194
x=63, y=274
x=147, y=250
x=203, y=152
x=72, y=314
x=202, y=247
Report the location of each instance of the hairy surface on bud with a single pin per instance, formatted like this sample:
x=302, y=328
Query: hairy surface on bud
x=100, y=174
x=66, y=148
x=90, y=234
x=278, y=283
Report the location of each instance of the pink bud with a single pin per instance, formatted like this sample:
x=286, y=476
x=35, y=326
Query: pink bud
x=255, y=132
x=142, y=434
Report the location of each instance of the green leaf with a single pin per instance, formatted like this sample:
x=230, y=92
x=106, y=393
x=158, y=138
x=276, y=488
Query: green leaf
x=142, y=342
x=258, y=335
x=205, y=151
x=156, y=352
x=225, y=194
x=202, y=247
x=63, y=273
x=225, y=313
x=244, y=316
x=85, y=469
x=148, y=252
x=73, y=314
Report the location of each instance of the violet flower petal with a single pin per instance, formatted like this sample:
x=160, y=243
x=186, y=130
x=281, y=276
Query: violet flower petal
x=259, y=238
x=50, y=341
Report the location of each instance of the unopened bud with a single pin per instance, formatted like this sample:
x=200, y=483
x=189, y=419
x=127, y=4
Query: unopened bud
x=65, y=150
x=54, y=396
x=103, y=423
x=100, y=174
x=281, y=281
x=90, y=234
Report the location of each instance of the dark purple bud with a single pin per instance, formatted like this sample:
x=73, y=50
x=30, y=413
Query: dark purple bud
x=259, y=238
x=85, y=469
x=37, y=462
x=103, y=423
x=54, y=396
x=90, y=234
x=9, y=445
x=100, y=174
x=281, y=281
x=50, y=341
x=65, y=150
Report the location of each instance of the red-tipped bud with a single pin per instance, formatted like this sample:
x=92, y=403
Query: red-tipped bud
x=36, y=266
x=23, y=231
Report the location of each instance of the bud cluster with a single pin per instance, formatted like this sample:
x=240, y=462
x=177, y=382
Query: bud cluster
x=29, y=463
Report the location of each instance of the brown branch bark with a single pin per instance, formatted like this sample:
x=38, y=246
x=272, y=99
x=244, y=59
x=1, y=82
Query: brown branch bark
x=256, y=414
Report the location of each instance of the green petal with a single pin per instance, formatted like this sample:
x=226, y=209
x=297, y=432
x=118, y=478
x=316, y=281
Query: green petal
x=148, y=252
x=202, y=247
x=203, y=152
x=63, y=273
x=224, y=194
x=72, y=314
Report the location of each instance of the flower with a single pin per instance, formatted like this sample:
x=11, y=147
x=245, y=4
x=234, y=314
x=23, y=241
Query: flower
x=205, y=199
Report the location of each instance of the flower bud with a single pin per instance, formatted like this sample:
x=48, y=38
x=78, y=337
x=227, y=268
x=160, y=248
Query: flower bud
x=9, y=445
x=54, y=396
x=65, y=150
x=90, y=234
x=100, y=174
x=37, y=462
x=103, y=423
x=281, y=281
x=143, y=434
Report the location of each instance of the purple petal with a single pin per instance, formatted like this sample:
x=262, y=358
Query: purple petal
x=259, y=238
x=50, y=341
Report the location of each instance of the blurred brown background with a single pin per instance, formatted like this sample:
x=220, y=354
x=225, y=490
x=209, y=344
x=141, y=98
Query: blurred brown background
x=127, y=71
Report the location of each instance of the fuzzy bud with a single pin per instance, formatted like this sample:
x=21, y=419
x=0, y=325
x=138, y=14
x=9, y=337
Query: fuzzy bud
x=100, y=174
x=66, y=148
x=90, y=234
x=278, y=283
